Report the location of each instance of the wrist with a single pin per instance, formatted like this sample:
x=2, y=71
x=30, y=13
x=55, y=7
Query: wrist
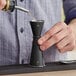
x=72, y=25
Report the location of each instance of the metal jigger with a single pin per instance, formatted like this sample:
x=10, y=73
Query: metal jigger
x=36, y=55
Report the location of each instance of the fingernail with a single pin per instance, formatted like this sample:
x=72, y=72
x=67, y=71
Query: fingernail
x=40, y=42
x=42, y=48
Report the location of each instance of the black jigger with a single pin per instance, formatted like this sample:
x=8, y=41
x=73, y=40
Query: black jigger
x=36, y=59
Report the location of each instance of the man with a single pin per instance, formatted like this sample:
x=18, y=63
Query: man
x=16, y=35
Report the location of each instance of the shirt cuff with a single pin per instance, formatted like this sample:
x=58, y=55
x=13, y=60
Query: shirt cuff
x=71, y=15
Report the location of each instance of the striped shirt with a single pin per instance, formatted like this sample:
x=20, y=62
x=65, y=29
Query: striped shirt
x=16, y=35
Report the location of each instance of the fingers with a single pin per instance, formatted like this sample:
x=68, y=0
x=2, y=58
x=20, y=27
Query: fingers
x=63, y=42
x=67, y=44
x=58, y=27
x=60, y=35
x=54, y=39
x=54, y=35
x=68, y=47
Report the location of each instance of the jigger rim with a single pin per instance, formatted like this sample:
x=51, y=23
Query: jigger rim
x=37, y=21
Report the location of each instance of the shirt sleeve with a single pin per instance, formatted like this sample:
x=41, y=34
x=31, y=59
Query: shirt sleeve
x=69, y=10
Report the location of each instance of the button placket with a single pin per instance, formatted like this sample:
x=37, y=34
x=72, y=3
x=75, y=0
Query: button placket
x=20, y=26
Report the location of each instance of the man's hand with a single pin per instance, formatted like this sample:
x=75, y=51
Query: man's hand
x=2, y=4
x=60, y=35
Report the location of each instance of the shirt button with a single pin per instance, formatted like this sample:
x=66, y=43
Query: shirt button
x=21, y=0
x=21, y=30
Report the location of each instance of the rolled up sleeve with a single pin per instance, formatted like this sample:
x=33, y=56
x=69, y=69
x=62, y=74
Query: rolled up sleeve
x=69, y=10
